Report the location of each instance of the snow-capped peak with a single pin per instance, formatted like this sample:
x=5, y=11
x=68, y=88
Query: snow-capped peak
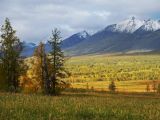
x=151, y=25
x=83, y=34
x=128, y=26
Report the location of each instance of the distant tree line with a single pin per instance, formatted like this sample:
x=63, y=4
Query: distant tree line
x=45, y=74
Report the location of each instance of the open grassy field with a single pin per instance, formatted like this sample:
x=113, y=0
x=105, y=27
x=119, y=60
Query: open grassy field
x=130, y=73
x=88, y=100
x=80, y=106
x=123, y=86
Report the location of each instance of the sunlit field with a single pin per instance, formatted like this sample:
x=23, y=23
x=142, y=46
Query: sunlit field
x=122, y=86
x=130, y=73
x=89, y=98
x=79, y=106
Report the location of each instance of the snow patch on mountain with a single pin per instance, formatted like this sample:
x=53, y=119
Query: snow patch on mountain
x=83, y=34
x=150, y=25
x=128, y=26
x=131, y=25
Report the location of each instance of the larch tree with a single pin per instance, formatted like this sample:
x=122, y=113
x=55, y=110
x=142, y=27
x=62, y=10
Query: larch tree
x=42, y=67
x=10, y=47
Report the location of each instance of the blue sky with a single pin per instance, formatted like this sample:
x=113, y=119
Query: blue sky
x=34, y=19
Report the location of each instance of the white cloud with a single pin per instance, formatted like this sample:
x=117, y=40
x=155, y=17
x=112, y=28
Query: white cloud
x=34, y=19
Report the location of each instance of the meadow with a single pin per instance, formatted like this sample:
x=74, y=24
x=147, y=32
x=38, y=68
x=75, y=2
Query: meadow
x=80, y=106
x=130, y=72
x=88, y=97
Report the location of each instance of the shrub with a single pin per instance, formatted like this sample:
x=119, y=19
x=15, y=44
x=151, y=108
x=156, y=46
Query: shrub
x=158, y=88
x=87, y=86
x=112, y=86
x=92, y=88
x=154, y=86
x=60, y=86
x=148, y=88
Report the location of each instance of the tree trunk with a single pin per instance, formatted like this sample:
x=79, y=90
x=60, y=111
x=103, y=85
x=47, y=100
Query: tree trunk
x=46, y=75
x=54, y=84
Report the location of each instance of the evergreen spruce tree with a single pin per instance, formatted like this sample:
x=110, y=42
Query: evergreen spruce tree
x=10, y=47
x=57, y=61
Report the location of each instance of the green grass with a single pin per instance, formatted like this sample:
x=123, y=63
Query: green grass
x=79, y=106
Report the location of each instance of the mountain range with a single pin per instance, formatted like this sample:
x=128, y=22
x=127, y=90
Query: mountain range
x=66, y=43
x=127, y=36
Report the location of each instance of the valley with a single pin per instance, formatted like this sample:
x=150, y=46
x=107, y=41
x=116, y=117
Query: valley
x=80, y=60
x=131, y=73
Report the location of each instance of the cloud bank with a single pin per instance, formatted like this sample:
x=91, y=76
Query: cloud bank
x=34, y=19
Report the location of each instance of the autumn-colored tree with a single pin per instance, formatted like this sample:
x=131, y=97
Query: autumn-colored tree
x=43, y=67
x=148, y=88
x=37, y=75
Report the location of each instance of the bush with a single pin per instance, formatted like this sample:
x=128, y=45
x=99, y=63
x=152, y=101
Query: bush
x=112, y=86
x=154, y=86
x=148, y=88
x=60, y=86
x=158, y=88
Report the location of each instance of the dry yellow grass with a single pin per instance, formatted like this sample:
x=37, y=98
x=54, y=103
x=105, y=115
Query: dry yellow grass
x=130, y=73
x=121, y=86
x=80, y=106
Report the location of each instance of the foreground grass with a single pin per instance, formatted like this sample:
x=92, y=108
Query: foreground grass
x=79, y=106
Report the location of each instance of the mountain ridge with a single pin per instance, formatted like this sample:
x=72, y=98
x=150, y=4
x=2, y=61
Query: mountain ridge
x=130, y=34
x=120, y=39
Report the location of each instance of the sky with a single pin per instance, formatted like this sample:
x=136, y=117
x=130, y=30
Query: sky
x=35, y=19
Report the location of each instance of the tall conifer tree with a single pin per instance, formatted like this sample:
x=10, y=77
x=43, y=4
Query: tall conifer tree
x=10, y=47
x=57, y=60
